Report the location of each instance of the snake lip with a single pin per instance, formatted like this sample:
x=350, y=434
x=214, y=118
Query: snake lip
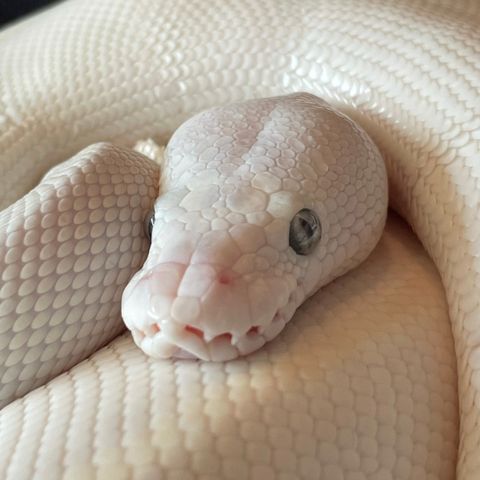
x=148, y=331
x=169, y=339
x=232, y=338
x=155, y=328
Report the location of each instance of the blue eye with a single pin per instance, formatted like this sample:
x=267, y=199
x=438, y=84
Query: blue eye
x=305, y=231
x=148, y=225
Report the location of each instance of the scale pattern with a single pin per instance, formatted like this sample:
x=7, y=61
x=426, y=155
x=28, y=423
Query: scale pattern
x=64, y=266
x=407, y=71
x=361, y=384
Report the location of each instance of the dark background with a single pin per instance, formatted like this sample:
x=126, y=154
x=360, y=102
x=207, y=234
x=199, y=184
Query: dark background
x=13, y=9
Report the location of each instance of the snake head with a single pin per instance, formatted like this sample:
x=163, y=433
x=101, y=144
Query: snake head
x=262, y=203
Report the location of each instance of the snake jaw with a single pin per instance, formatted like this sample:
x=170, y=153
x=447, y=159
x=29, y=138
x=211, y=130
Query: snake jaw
x=218, y=328
x=189, y=342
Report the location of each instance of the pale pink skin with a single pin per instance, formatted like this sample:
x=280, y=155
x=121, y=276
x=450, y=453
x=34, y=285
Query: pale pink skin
x=220, y=279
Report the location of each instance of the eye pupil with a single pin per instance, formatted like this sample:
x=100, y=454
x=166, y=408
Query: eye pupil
x=149, y=222
x=307, y=227
x=305, y=231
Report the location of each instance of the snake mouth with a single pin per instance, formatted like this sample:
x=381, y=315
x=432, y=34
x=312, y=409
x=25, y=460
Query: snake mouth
x=170, y=339
x=156, y=328
x=167, y=328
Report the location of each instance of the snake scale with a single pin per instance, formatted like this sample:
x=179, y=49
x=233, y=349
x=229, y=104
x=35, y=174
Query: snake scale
x=376, y=375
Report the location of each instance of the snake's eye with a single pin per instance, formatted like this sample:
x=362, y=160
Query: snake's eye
x=305, y=231
x=148, y=225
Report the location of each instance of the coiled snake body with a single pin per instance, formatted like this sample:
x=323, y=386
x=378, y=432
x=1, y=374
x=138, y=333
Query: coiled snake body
x=363, y=382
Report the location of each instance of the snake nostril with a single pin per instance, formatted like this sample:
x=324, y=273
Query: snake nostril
x=253, y=331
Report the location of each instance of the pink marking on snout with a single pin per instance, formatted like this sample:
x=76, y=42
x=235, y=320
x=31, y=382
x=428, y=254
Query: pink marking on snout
x=224, y=278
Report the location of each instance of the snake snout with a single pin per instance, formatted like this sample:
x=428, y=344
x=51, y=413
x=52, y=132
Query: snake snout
x=216, y=294
x=203, y=310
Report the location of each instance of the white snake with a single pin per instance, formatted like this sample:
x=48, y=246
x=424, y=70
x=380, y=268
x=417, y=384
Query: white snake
x=363, y=381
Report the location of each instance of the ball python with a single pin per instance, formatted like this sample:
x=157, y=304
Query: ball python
x=376, y=376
